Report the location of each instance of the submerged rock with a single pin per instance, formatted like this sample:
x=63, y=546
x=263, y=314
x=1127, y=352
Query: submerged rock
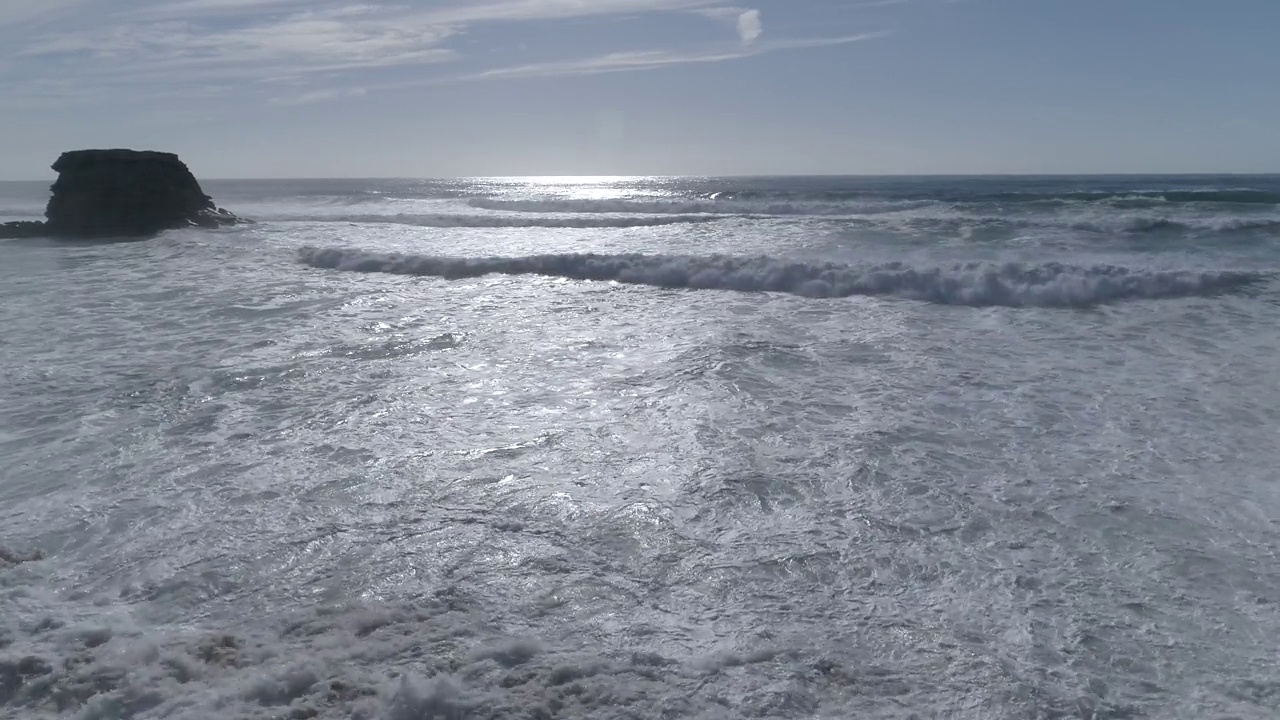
x=25, y=228
x=122, y=193
x=9, y=558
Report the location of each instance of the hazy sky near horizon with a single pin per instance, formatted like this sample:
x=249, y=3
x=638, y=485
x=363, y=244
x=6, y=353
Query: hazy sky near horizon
x=402, y=88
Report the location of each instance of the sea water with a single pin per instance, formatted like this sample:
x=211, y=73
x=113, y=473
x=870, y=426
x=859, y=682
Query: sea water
x=649, y=448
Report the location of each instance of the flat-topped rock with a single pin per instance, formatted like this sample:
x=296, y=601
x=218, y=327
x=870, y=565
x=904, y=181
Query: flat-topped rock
x=122, y=193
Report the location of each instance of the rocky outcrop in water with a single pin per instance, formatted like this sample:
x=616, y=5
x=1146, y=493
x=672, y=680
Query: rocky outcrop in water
x=25, y=228
x=122, y=193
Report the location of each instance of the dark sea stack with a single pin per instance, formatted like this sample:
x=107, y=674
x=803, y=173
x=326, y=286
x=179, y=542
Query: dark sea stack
x=122, y=193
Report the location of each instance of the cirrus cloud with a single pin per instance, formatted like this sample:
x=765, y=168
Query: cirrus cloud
x=333, y=50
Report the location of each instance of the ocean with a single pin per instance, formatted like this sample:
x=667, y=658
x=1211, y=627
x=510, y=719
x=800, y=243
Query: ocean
x=716, y=448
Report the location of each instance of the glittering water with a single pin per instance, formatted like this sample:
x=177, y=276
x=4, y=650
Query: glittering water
x=781, y=448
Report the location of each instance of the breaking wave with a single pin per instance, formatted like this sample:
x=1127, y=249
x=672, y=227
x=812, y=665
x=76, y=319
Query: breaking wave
x=976, y=284
x=511, y=221
x=1138, y=224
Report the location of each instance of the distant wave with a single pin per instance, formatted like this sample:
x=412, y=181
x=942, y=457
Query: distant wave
x=1139, y=224
x=1112, y=223
x=508, y=221
x=1242, y=196
x=1106, y=217
x=695, y=207
x=977, y=284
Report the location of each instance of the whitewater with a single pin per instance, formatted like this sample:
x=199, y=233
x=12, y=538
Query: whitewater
x=714, y=448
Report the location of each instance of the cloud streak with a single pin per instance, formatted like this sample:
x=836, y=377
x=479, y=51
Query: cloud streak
x=281, y=36
x=319, y=96
x=338, y=39
x=456, y=12
x=21, y=12
x=188, y=9
x=331, y=51
x=519, y=10
x=656, y=59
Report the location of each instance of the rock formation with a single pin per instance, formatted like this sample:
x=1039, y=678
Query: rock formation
x=122, y=193
x=24, y=228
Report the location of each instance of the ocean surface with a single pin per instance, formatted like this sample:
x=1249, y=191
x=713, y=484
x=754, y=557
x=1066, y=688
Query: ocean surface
x=972, y=448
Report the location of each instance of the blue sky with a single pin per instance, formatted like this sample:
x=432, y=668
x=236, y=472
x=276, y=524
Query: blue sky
x=367, y=88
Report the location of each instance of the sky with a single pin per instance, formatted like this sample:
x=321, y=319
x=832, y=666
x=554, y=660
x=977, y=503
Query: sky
x=440, y=88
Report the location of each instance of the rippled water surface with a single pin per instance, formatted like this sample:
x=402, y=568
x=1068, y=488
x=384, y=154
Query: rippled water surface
x=767, y=448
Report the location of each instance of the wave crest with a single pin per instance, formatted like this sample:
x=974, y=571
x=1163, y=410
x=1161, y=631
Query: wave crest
x=507, y=221
x=1138, y=224
x=1240, y=196
x=975, y=284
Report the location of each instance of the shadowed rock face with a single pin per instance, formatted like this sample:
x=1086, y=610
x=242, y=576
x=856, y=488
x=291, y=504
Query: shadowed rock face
x=122, y=193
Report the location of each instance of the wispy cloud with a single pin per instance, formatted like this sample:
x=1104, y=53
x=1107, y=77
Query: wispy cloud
x=515, y=10
x=20, y=12
x=209, y=8
x=340, y=38
x=329, y=50
x=281, y=36
x=456, y=12
x=319, y=96
x=749, y=26
x=655, y=59
x=746, y=21
x=64, y=93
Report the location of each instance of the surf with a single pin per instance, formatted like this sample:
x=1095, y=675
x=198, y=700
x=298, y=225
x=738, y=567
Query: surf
x=972, y=283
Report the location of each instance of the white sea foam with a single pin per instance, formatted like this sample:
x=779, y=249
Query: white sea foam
x=1009, y=284
x=421, y=661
